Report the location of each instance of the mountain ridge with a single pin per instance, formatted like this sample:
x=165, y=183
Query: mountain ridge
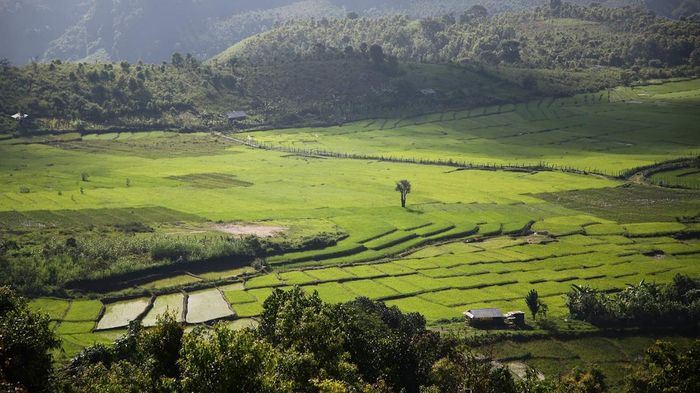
x=42, y=30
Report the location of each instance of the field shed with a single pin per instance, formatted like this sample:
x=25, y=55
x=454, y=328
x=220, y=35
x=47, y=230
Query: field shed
x=485, y=317
x=236, y=116
x=428, y=92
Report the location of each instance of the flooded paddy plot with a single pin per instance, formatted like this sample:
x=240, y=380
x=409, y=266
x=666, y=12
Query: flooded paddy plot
x=207, y=305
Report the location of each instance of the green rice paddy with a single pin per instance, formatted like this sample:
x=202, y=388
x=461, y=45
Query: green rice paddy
x=687, y=178
x=458, y=245
x=603, y=132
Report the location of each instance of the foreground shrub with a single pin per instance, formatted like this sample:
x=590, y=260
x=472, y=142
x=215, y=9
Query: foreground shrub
x=119, y=377
x=389, y=345
x=666, y=369
x=225, y=361
x=309, y=334
x=25, y=344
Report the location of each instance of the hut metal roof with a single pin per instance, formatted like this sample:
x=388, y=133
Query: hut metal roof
x=480, y=313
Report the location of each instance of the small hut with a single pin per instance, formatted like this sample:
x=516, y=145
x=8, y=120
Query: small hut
x=235, y=117
x=485, y=317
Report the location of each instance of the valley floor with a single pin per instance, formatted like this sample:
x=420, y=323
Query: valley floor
x=468, y=239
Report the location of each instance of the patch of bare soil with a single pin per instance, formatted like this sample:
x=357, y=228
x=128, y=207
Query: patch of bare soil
x=249, y=229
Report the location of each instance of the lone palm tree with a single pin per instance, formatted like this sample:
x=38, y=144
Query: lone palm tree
x=404, y=187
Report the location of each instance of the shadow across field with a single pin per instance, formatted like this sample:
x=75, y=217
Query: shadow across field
x=630, y=203
x=133, y=279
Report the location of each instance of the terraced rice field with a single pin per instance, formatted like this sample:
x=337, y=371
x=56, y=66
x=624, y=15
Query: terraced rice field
x=173, y=303
x=615, y=356
x=458, y=245
x=83, y=310
x=55, y=308
x=442, y=281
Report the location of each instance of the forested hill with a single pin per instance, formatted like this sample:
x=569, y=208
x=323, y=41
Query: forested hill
x=563, y=36
x=151, y=30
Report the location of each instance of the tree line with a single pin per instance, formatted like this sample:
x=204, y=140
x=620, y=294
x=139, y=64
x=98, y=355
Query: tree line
x=639, y=305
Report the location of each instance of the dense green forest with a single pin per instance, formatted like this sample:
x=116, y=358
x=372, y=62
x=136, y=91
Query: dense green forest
x=563, y=36
x=333, y=70
x=186, y=94
x=124, y=30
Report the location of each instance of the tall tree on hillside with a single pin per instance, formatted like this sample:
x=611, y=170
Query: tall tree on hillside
x=5, y=64
x=535, y=304
x=509, y=51
x=403, y=187
x=177, y=60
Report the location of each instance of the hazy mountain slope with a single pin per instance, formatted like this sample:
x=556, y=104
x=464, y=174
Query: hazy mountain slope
x=569, y=37
x=674, y=8
x=151, y=30
x=26, y=27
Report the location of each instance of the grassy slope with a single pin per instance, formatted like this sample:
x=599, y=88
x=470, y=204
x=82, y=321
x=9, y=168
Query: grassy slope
x=585, y=132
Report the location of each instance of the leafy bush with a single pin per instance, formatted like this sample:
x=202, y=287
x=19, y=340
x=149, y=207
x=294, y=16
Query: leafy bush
x=644, y=304
x=25, y=344
x=171, y=251
x=134, y=227
x=666, y=369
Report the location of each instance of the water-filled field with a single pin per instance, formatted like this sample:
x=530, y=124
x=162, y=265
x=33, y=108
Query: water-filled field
x=172, y=303
x=119, y=314
x=207, y=305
